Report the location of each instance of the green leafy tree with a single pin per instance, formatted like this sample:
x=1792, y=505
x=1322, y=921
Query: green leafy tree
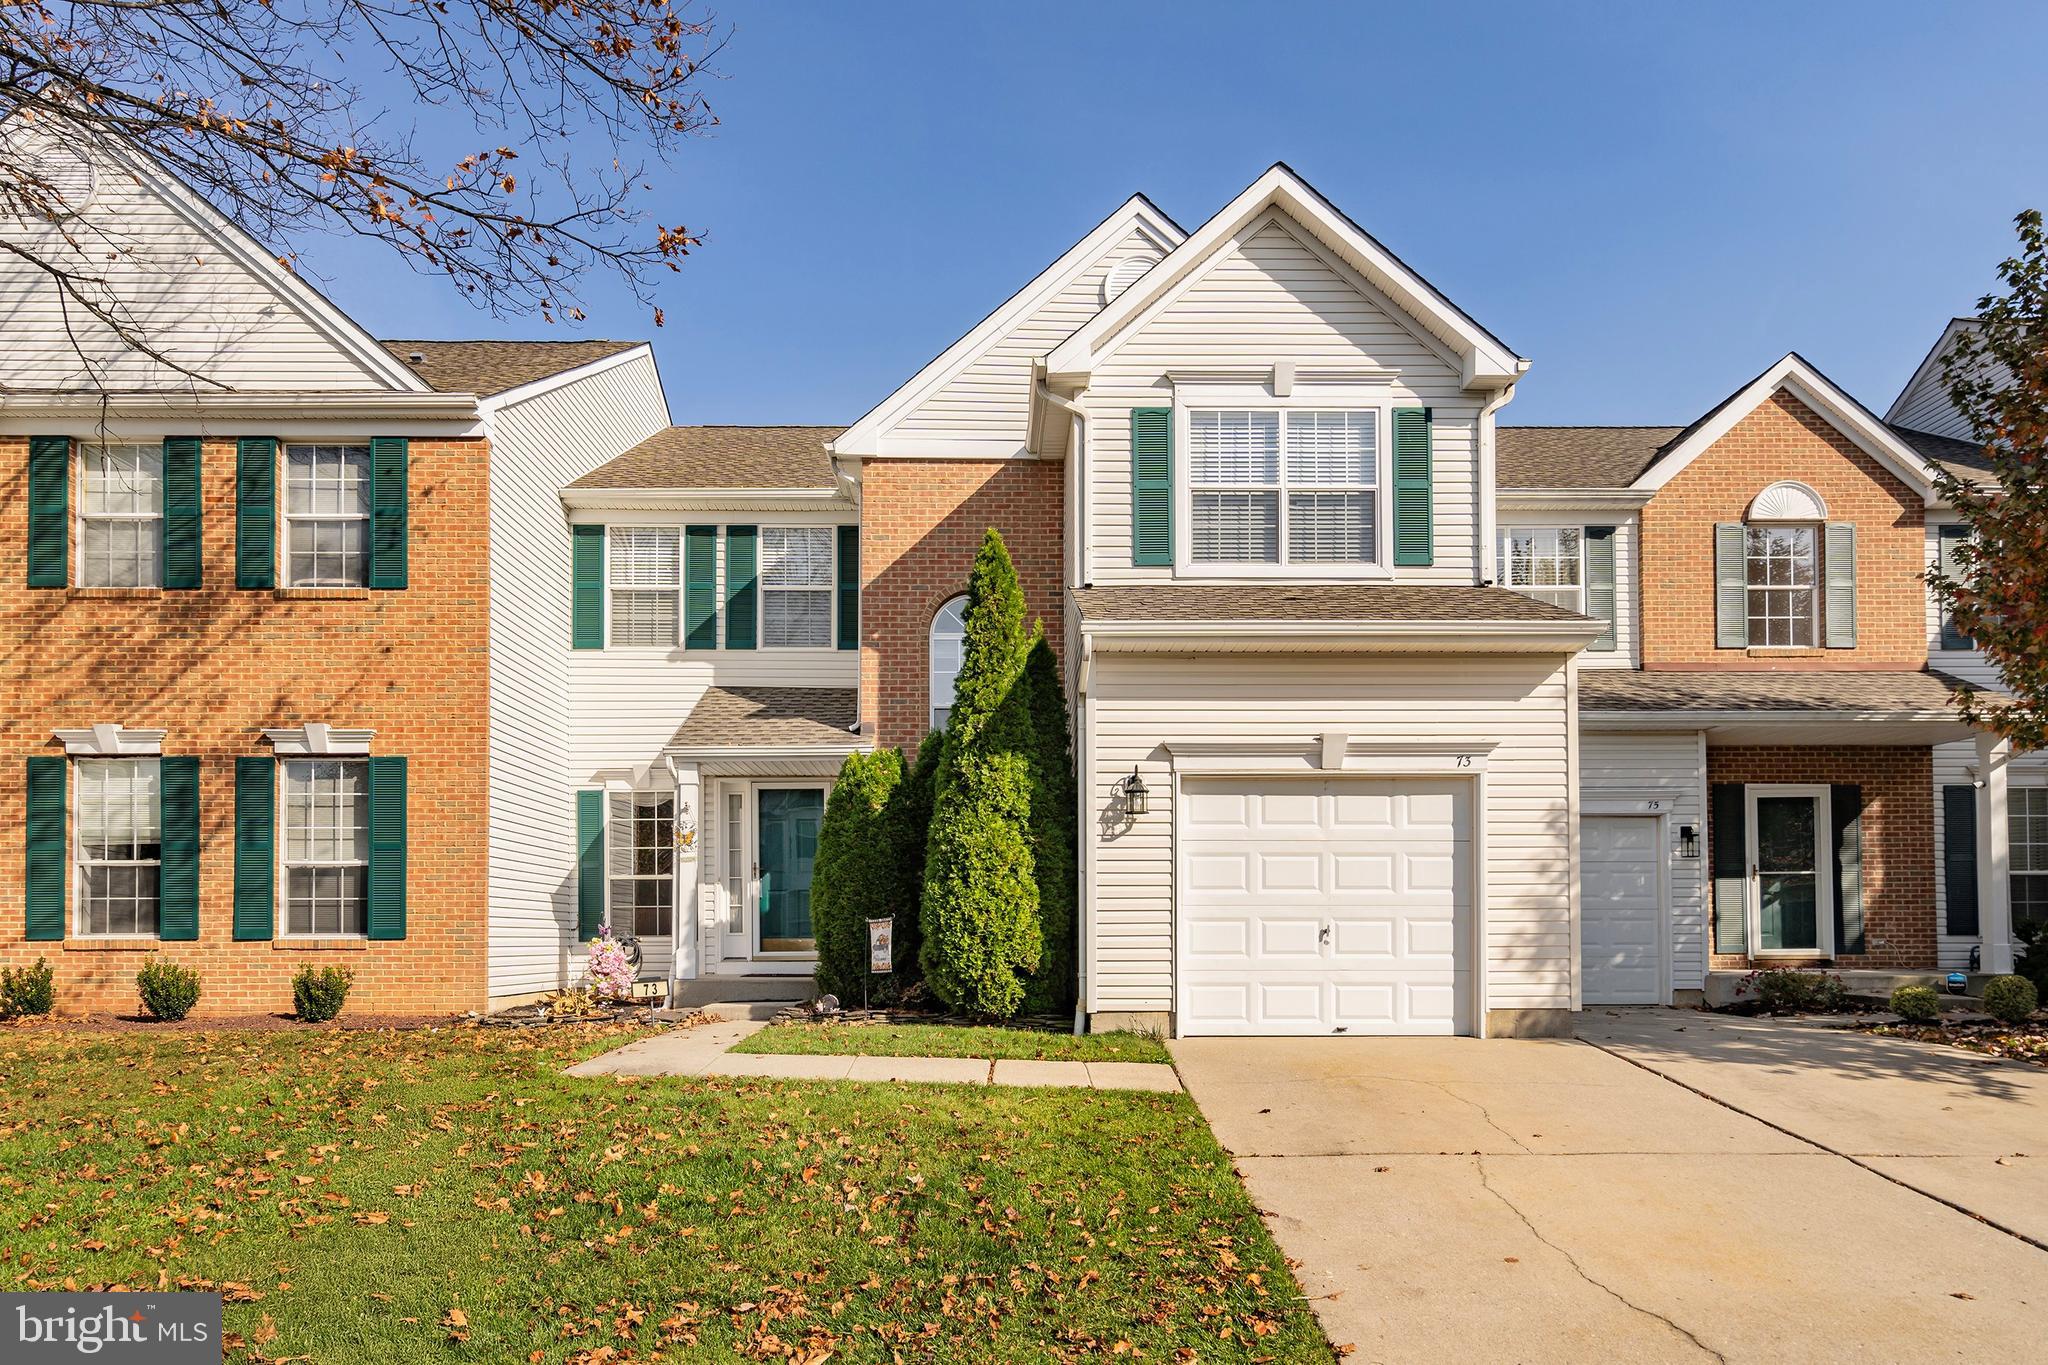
x=857, y=876
x=1053, y=830
x=1997, y=377
x=909, y=832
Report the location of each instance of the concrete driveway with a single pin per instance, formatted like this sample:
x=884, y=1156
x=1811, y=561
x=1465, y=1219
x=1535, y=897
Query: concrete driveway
x=1551, y=1201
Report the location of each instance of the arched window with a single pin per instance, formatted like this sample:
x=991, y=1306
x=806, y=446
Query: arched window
x=949, y=632
x=1782, y=566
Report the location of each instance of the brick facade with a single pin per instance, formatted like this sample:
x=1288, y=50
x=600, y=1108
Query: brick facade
x=212, y=667
x=1783, y=439
x=921, y=523
x=1898, y=840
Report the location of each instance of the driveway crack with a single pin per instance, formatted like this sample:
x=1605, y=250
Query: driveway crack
x=1484, y=1113
x=1487, y=1182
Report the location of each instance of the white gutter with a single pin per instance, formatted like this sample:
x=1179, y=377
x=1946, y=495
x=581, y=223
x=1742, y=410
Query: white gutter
x=298, y=404
x=1537, y=499
x=611, y=498
x=1256, y=635
x=1673, y=718
x=1489, y=492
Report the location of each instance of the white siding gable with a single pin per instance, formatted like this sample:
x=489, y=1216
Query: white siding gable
x=1923, y=405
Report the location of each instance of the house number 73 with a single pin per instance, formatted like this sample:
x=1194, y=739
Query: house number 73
x=1464, y=760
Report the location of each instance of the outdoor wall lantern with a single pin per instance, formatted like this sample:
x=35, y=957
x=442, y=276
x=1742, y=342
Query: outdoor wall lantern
x=1133, y=794
x=1688, y=841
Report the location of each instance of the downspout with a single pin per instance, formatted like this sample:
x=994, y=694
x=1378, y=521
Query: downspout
x=1489, y=490
x=675, y=958
x=1077, y=573
x=1084, y=868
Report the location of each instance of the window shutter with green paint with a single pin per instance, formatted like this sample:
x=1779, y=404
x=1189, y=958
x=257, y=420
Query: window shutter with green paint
x=178, y=881
x=700, y=587
x=849, y=587
x=1731, y=586
x=586, y=587
x=1959, y=857
x=49, y=511
x=1729, y=835
x=256, y=513
x=255, y=849
x=1152, y=485
x=742, y=587
x=49, y=852
x=1414, y=496
x=1845, y=806
x=1951, y=536
x=1838, y=569
x=184, y=516
x=1600, y=582
x=589, y=864
x=387, y=848
x=390, y=461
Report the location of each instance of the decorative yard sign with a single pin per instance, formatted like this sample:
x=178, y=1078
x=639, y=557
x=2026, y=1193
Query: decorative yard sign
x=882, y=945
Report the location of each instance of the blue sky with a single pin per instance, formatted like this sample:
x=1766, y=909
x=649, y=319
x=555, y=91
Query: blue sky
x=1651, y=201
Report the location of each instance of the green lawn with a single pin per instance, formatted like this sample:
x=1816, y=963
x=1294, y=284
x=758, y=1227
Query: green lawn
x=452, y=1196
x=953, y=1040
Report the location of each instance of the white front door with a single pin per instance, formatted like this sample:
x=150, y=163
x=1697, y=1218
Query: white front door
x=1621, y=907
x=1326, y=905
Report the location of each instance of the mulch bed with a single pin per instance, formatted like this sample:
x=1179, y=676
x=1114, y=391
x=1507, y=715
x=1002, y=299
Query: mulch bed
x=2026, y=1043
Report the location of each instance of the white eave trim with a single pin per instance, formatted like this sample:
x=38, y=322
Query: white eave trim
x=729, y=753
x=111, y=741
x=588, y=370
x=1445, y=637
x=1676, y=718
x=705, y=499
x=298, y=406
x=1547, y=499
x=314, y=739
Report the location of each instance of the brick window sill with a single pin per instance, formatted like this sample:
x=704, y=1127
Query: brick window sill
x=316, y=594
x=111, y=945
x=320, y=945
x=117, y=594
x=1785, y=652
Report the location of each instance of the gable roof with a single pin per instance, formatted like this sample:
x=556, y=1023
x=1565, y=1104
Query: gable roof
x=721, y=458
x=487, y=368
x=1576, y=457
x=1930, y=364
x=1486, y=361
x=869, y=435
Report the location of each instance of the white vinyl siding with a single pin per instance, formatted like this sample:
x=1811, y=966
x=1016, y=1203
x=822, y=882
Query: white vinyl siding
x=1546, y=563
x=327, y=516
x=644, y=567
x=1626, y=637
x=796, y=587
x=120, y=516
x=119, y=848
x=325, y=846
x=1668, y=768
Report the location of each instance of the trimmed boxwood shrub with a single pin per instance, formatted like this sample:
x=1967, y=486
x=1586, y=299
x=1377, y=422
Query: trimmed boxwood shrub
x=168, y=991
x=2010, y=999
x=1916, y=1004
x=980, y=900
x=1786, y=990
x=1053, y=829
x=319, y=992
x=27, y=990
x=856, y=877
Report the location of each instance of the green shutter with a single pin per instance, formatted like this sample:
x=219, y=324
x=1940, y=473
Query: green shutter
x=589, y=864
x=255, y=849
x=1845, y=811
x=1952, y=535
x=742, y=589
x=849, y=587
x=49, y=857
x=387, y=848
x=1152, y=485
x=256, y=513
x=49, y=512
x=1729, y=835
x=184, y=514
x=1600, y=582
x=1838, y=569
x=1731, y=587
x=1414, y=494
x=390, y=461
x=1959, y=857
x=586, y=592
x=700, y=587
x=178, y=882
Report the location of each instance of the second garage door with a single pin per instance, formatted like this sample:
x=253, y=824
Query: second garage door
x=1319, y=906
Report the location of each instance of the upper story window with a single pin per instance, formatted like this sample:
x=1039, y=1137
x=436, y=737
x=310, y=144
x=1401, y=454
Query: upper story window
x=1546, y=563
x=1950, y=538
x=796, y=587
x=1782, y=571
x=327, y=516
x=646, y=568
x=121, y=516
x=326, y=846
x=949, y=641
x=1283, y=486
x=120, y=845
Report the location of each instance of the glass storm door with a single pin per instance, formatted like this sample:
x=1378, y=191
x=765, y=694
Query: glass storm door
x=789, y=846
x=1786, y=864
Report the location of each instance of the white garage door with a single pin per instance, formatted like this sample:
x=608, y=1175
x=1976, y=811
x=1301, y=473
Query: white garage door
x=1620, y=906
x=1339, y=905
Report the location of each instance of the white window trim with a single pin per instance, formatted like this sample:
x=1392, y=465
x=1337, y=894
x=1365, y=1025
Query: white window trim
x=285, y=517
x=931, y=668
x=1500, y=553
x=111, y=741
x=1303, y=399
x=681, y=533
x=80, y=516
x=1819, y=587
x=673, y=876
x=282, y=895
x=830, y=589
x=1824, y=869
x=78, y=929
x=2013, y=787
x=316, y=739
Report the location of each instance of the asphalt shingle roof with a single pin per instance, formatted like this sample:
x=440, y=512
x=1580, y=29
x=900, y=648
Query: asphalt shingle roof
x=1577, y=457
x=770, y=718
x=491, y=367
x=721, y=457
x=1312, y=602
x=1603, y=689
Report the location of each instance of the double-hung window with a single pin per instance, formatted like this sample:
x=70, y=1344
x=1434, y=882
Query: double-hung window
x=643, y=900
x=120, y=845
x=1283, y=486
x=326, y=846
x=121, y=516
x=796, y=587
x=327, y=516
x=647, y=585
x=1782, y=567
x=2027, y=827
x=1546, y=563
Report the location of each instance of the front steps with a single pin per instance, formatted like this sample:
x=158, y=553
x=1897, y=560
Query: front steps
x=1875, y=987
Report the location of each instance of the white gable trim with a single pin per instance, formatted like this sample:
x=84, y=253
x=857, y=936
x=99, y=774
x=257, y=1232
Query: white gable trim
x=1930, y=367
x=1795, y=376
x=590, y=369
x=1484, y=361
x=870, y=436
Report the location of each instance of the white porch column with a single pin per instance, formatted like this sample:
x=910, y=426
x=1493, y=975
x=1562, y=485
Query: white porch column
x=688, y=962
x=1994, y=854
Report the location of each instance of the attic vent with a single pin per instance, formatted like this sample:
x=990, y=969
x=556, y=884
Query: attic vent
x=415, y=357
x=1124, y=274
x=69, y=177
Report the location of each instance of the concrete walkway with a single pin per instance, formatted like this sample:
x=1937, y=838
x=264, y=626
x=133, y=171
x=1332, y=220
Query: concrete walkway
x=1452, y=1199
x=706, y=1051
